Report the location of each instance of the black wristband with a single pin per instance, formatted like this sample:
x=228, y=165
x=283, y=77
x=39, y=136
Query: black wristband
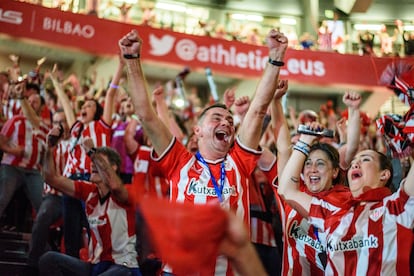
x=276, y=62
x=131, y=56
x=91, y=152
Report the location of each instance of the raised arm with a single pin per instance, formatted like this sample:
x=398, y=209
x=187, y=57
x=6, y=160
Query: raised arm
x=110, y=94
x=250, y=129
x=289, y=180
x=157, y=132
x=62, y=97
x=280, y=127
x=352, y=100
x=131, y=144
x=241, y=105
x=229, y=97
x=409, y=182
x=58, y=181
x=28, y=111
x=164, y=113
x=106, y=171
x=237, y=247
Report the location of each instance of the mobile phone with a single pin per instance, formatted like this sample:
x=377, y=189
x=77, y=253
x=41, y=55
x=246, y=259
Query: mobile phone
x=303, y=129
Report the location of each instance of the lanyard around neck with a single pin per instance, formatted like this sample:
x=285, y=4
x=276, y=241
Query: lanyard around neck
x=217, y=187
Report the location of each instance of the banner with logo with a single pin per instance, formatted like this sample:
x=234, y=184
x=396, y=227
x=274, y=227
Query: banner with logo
x=100, y=37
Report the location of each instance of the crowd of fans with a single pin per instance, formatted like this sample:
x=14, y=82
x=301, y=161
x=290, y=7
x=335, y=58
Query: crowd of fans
x=330, y=35
x=59, y=136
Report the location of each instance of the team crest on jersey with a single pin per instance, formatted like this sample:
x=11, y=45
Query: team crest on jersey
x=197, y=171
x=96, y=221
x=376, y=213
x=141, y=166
x=227, y=166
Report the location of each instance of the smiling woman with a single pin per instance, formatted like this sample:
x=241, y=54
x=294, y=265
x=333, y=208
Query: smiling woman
x=321, y=169
x=360, y=228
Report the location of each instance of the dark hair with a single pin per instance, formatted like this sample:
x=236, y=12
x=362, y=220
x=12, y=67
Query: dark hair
x=219, y=105
x=333, y=156
x=99, y=110
x=51, y=94
x=34, y=86
x=113, y=157
x=385, y=164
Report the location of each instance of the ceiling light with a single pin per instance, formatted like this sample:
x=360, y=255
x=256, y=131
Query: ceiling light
x=252, y=17
x=238, y=16
x=247, y=17
x=368, y=27
x=287, y=21
x=170, y=7
x=409, y=28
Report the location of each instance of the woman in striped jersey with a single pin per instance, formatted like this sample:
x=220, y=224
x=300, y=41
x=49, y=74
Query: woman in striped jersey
x=304, y=250
x=371, y=232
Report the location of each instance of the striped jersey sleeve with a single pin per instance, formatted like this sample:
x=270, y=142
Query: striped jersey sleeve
x=369, y=238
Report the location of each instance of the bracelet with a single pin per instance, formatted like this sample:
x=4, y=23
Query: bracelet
x=91, y=152
x=276, y=62
x=135, y=117
x=131, y=56
x=302, y=150
x=303, y=143
x=114, y=86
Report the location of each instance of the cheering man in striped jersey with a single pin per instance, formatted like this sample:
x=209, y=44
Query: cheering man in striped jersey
x=220, y=170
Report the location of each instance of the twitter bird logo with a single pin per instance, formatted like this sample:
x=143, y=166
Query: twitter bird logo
x=161, y=46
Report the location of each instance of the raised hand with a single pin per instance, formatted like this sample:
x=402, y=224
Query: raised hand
x=158, y=94
x=39, y=62
x=352, y=99
x=281, y=90
x=241, y=105
x=130, y=45
x=54, y=135
x=87, y=144
x=277, y=43
x=229, y=97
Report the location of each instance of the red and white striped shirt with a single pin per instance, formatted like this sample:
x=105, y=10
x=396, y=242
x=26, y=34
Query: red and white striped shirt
x=60, y=156
x=22, y=133
x=112, y=226
x=368, y=237
x=14, y=107
x=145, y=179
x=261, y=229
x=190, y=181
x=78, y=160
x=303, y=244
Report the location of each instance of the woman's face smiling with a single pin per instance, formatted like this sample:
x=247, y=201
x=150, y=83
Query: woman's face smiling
x=319, y=172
